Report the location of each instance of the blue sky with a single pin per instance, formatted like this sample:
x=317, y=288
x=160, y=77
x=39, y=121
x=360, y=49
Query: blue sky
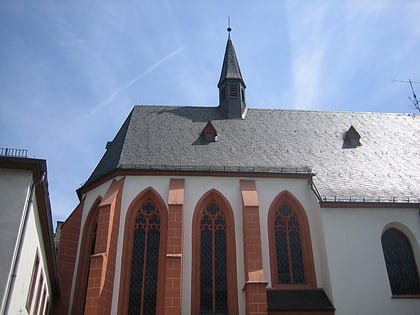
x=71, y=71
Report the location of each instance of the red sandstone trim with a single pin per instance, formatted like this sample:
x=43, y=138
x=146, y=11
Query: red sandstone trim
x=173, y=277
x=79, y=298
x=102, y=263
x=255, y=286
x=66, y=258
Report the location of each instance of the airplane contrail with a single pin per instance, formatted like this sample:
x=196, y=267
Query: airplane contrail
x=112, y=96
x=134, y=80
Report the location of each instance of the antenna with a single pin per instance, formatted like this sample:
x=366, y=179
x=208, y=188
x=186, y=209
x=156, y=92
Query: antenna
x=413, y=99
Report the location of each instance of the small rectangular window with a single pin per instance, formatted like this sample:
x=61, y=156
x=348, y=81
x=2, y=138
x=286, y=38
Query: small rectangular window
x=42, y=304
x=38, y=292
x=31, y=291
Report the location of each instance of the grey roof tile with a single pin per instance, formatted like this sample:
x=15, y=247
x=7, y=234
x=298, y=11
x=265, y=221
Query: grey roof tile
x=386, y=164
x=230, y=66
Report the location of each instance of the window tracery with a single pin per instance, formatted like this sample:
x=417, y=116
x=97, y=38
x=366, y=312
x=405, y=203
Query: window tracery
x=214, y=284
x=291, y=259
x=400, y=263
x=145, y=260
x=142, y=286
x=290, y=267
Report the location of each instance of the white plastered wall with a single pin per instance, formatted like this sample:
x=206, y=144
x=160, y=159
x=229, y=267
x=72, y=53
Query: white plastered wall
x=357, y=267
x=31, y=246
x=14, y=191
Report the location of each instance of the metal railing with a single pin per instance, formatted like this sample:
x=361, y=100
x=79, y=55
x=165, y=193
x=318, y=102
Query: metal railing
x=370, y=199
x=22, y=153
x=215, y=168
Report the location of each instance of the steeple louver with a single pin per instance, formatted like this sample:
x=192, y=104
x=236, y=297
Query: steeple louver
x=231, y=85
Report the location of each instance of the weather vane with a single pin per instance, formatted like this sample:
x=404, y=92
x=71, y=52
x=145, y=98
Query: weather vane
x=413, y=99
x=229, y=29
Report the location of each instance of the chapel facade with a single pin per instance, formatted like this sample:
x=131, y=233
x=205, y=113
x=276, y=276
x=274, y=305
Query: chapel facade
x=234, y=210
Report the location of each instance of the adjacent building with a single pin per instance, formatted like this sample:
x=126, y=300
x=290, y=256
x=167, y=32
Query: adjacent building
x=234, y=210
x=28, y=272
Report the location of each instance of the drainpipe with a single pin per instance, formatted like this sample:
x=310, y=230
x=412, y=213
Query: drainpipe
x=314, y=190
x=18, y=251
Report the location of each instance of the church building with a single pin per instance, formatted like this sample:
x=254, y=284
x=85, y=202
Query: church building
x=233, y=210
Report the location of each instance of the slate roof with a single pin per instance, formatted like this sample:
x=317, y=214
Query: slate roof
x=385, y=165
x=230, y=66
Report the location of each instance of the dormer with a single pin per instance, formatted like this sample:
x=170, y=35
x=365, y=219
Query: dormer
x=351, y=138
x=231, y=85
x=209, y=133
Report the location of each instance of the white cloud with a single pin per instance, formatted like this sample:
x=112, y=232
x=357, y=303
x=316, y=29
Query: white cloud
x=308, y=41
x=307, y=69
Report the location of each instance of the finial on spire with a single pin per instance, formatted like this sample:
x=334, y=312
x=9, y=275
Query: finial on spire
x=229, y=29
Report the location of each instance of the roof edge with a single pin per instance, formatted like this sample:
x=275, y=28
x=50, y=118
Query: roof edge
x=194, y=170
x=410, y=203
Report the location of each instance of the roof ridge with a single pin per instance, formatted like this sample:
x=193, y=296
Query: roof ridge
x=167, y=106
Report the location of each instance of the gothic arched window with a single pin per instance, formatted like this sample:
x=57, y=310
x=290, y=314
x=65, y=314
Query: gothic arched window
x=214, y=287
x=142, y=283
x=145, y=260
x=400, y=263
x=87, y=249
x=291, y=259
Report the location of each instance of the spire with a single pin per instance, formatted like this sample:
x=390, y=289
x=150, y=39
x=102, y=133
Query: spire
x=231, y=84
x=230, y=67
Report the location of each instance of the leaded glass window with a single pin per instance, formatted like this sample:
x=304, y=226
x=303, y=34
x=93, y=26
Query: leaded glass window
x=213, y=267
x=400, y=264
x=145, y=260
x=93, y=237
x=290, y=267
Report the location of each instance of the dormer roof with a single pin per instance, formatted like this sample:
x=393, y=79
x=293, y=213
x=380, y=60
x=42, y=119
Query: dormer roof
x=351, y=138
x=209, y=133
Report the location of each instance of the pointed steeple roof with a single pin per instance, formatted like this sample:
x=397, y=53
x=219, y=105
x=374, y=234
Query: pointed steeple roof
x=231, y=85
x=230, y=68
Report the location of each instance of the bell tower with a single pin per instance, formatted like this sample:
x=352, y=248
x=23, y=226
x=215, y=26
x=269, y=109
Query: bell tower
x=231, y=84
